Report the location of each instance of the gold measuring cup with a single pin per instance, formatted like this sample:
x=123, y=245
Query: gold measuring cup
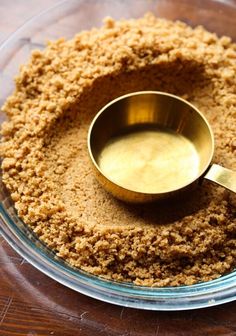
x=151, y=145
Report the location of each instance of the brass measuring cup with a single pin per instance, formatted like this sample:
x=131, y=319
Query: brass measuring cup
x=151, y=145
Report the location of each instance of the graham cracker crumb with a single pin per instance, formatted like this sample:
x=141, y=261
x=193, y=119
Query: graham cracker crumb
x=46, y=166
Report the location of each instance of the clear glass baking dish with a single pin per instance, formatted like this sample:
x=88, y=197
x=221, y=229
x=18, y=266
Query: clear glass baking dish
x=66, y=19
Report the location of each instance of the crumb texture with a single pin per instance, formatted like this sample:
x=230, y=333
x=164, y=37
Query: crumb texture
x=46, y=166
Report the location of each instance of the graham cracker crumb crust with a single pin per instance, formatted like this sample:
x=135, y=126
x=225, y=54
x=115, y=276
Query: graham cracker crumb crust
x=46, y=165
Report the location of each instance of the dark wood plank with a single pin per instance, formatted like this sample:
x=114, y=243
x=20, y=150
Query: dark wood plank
x=33, y=304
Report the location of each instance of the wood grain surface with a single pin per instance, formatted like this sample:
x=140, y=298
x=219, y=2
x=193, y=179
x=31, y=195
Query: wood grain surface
x=33, y=304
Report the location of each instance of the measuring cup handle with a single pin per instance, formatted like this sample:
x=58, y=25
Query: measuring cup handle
x=222, y=176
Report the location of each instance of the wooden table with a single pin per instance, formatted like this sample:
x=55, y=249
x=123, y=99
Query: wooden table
x=33, y=304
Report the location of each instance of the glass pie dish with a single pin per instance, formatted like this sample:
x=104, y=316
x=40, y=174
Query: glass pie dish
x=66, y=19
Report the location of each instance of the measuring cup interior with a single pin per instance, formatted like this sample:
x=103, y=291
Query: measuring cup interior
x=145, y=113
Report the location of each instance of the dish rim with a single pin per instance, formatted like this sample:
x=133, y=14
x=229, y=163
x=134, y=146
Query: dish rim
x=201, y=295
